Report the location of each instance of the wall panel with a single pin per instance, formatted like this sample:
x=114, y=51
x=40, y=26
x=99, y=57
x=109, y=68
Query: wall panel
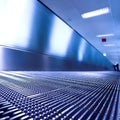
x=47, y=41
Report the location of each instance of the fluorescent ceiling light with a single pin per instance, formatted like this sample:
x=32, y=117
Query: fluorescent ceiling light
x=105, y=35
x=109, y=45
x=96, y=13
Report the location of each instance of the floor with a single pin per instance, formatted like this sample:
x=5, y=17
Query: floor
x=59, y=95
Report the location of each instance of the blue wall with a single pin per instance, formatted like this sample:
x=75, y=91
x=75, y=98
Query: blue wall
x=28, y=25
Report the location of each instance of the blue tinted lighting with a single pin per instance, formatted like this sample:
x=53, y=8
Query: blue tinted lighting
x=16, y=22
x=60, y=37
x=82, y=48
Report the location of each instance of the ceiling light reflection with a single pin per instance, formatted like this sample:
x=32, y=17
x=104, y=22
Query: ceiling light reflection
x=60, y=37
x=104, y=54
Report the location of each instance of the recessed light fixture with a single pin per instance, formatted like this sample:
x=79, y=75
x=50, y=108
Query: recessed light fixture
x=104, y=54
x=105, y=35
x=109, y=45
x=96, y=13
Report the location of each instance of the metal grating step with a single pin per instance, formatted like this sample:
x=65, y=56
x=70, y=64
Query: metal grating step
x=59, y=95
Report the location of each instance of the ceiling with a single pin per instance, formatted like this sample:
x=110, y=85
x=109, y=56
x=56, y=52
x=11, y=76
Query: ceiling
x=70, y=11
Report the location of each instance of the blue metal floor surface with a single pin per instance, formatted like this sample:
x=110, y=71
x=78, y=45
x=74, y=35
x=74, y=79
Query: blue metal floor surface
x=59, y=95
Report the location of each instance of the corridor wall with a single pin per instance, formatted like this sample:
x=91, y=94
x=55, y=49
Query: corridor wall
x=34, y=38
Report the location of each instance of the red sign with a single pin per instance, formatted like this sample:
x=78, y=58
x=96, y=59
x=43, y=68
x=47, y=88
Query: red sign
x=103, y=39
